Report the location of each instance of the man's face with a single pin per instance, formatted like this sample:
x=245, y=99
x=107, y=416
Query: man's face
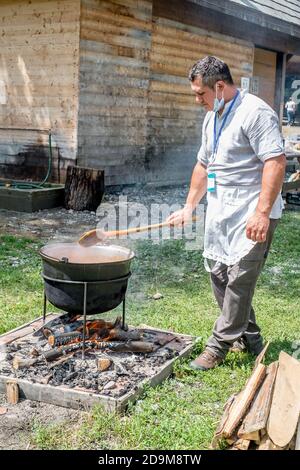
x=204, y=95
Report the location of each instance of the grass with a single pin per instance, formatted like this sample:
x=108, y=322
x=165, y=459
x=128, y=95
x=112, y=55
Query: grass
x=181, y=413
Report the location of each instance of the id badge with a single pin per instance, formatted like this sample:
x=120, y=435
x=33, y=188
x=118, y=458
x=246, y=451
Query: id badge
x=211, y=182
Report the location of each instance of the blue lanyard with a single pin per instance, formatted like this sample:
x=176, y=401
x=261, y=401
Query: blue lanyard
x=217, y=138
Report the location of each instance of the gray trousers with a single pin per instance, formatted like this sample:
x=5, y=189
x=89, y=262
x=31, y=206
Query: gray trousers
x=233, y=287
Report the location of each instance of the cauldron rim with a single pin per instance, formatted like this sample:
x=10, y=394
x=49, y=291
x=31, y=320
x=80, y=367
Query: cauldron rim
x=46, y=257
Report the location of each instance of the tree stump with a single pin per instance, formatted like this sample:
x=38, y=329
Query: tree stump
x=84, y=188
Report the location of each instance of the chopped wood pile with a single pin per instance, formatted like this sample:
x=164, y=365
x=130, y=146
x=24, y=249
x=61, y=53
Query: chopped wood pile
x=265, y=415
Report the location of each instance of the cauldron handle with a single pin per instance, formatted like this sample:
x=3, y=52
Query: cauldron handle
x=64, y=259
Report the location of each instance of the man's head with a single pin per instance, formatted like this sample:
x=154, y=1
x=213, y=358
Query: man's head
x=210, y=78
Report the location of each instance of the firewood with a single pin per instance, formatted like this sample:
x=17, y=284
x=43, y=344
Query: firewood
x=267, y=444
x=45, y=380
x=251, y=436
x=117, y=334
x=297, y=444
x=12, y=392
x=21, y=363
x=243, y=400
x=64, y=338
x=122, y=346
x=133, y=346
x=84, y=188
x=257, y=416
x=261, y=355
x=103, y=363
x=241, y=444
x=285, y=408
x=226, y=411
x=62, y=360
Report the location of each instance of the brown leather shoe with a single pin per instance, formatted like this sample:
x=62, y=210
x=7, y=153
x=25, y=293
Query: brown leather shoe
x=207, y=360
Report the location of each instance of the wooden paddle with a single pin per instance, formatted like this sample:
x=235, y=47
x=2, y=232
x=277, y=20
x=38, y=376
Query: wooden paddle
x=96, y=235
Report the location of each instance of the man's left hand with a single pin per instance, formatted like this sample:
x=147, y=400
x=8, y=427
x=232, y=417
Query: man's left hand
x=257, y=227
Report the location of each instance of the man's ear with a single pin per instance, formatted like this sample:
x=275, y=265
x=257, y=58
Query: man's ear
x=220, y=85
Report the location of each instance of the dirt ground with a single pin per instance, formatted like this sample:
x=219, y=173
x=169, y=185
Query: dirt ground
x=17, y=421
x=66, y=225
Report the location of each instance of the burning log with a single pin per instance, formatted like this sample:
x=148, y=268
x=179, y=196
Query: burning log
x=105, y=334
x=123, y=346
x=117, y=334
x=64, y=338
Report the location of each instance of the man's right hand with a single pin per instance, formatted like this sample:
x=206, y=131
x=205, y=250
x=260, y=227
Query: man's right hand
x=180, y=217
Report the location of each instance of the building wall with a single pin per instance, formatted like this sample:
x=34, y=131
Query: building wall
x=175, y=120
x=137, y=116
x=264, y=69
x=115, y=42
x=39, y=61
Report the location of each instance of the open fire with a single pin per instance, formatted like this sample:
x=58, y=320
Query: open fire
x=116, y=359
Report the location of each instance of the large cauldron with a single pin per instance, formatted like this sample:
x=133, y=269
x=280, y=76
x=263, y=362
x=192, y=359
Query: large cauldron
x=106, y=269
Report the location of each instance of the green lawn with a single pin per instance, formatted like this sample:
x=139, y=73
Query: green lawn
x=182, y=413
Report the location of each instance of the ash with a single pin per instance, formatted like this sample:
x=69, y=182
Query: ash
x=101, y=371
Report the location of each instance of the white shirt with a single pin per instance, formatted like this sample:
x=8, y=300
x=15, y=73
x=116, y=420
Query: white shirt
x=291, y=106
x=250, y=137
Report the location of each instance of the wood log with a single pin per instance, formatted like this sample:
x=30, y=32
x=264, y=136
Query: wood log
x=22, y=331
x=117, y=334
x=226, y=410
x=103, y=363
x=133, y=346
x=242, y=402
x=251, y=436
x=105, y=334
x=241, y=444
x=21, y=363
x=285, y=408
x=84, y=188
x=261, y=355
x=122, y=346
x=257, y=416
x=64, y=338
x=62, y=360
x=12, y=392
x=297, y=444
x=267, y=444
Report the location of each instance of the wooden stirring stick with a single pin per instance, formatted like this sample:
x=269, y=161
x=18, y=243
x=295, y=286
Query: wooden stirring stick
x=96, y=235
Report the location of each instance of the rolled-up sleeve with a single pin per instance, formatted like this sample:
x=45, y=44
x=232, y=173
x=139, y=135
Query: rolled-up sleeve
x=262, y=130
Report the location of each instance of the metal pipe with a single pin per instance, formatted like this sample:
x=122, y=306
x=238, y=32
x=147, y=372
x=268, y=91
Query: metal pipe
x=84, y=318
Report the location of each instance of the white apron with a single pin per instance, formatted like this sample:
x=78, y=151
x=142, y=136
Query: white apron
x=228, y=210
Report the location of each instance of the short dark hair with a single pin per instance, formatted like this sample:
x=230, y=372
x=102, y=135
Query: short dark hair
x=211, y=70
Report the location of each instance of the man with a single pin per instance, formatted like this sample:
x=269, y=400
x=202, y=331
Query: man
x=241, y=166
x=290, y=107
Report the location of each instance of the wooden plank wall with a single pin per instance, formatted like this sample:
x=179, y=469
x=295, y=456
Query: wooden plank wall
x=39, y=61
x=265, y=69
x=175, y=120
x=137, y=116
x=114, y=81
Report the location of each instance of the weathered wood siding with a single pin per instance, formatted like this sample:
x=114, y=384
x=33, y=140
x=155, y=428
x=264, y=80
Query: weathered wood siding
x=265, y=69
x=39, y=62
x=175, y=120
x=115, y=43
x=138, y=119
